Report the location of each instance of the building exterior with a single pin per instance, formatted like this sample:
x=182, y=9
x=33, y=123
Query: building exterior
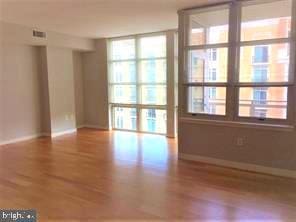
x=260, y=63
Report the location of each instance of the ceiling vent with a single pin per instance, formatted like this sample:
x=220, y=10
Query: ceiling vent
x=39, y=34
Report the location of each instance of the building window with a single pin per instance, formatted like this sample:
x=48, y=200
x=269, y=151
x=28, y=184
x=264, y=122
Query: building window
x=212, y=92
x=260, y=54
x=260, y=96
x=151, y=67
x=134, y=119
x=150, y=95
x=258, y=108
x=137, y=81
x=237, y=71
x=213, y=54
x=260, y=73
x=153, y=120
x=205, y=100
x=124, y=118
x=119, y=119
x=213, y=74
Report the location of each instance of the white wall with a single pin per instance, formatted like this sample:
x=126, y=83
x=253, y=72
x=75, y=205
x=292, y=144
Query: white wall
x=171, y=82
x=61, y=89
x=95, y=86
x=44, y=88
x=20, y=92
x=1, y=81
x=78, y=88
x=37, y=82
x=263, y=147
x=18, y=34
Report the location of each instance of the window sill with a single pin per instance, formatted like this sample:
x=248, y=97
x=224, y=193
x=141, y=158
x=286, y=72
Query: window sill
x=287, y=128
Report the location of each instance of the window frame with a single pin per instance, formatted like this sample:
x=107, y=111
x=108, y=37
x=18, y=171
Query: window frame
x=138, y=105
x=187, y=48
x=233, y=84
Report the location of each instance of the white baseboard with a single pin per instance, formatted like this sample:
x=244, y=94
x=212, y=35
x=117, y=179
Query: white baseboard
x=52, y=135
x=20, y=139
x=46, y=134
x=63, y=132
x=240, y=166
x=96, y=127
x=171, y=136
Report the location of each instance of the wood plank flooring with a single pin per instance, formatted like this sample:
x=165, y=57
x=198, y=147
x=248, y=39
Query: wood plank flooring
x=98, y=175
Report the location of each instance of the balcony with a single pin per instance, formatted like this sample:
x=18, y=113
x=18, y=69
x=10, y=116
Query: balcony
x=247, y=108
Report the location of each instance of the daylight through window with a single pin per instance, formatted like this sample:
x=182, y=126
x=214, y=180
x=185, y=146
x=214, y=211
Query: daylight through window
x=137, y=83
x=237, y=61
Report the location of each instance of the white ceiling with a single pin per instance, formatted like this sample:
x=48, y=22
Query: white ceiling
x=96, y=18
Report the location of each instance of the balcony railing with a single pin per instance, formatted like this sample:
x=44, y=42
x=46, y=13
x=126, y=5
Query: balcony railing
x=260, y=60
x=254, y=105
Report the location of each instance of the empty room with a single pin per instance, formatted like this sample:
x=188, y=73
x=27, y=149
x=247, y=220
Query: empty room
x=135, y=110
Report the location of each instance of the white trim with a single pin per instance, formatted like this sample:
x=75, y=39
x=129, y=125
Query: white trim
x=139, y=35
x=237, y=124
x=134, y=60
x=46, y=134
x=262, y=84
x=240, y=166
x=264, y=42
x=52, y=135
x=205, y=84
x=21, y=139
x=207, y=46
x=96, y=127
x=170, y=136
x=141, y=131
x=141, y=106
x=63, y=133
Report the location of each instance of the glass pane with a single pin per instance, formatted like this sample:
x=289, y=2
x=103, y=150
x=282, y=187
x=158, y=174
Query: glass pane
x=207, y=65
x=153, y=47
x=123, y=72
x=209, y=26
x=266, y=21
x=124, y=94
x=263, y=102
x=153, y=94
x=123, y=49
x=125, y=118
x=153, y=120
x=208, y=100
x=153, y=71
x=264, y=63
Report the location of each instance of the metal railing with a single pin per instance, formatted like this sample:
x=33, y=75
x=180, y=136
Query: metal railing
x=254, y=105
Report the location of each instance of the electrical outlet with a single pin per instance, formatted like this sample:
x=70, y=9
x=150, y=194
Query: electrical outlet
x=240, y=141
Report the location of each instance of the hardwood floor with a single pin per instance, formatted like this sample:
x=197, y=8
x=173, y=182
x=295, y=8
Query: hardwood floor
x=118, y=176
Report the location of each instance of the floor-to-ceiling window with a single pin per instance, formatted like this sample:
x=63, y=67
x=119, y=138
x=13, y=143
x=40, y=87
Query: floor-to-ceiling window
x=138, y=83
